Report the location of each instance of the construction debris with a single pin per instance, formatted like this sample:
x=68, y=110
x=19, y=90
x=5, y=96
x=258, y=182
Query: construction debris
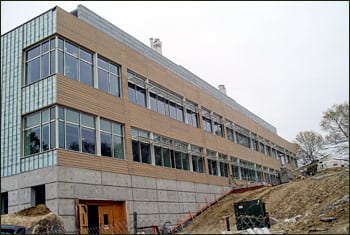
x=37, y=220
x=303, y=201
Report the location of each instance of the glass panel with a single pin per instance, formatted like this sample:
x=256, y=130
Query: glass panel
x=60, y=113
x=194, y=120
x=143, y=134
x=33, y=71
x=178, y=160
x=179, y=112
x=172, y=110
x=45, y=116
x=161, y=105
x=134, y=132
x=72, y=116
x=45, y=67
x=61, y=134
x=114, y=85
x=118, y=147
x=153, y=99
x=52, y=135
x=141, y=96
x=87, y=120
x=33, y=52
x=32, y=141
x=105, y=125
x=52, y=62
x=52, y=43
x=85, y=55
x=86, y=73
x=185, y=161
x=201, y=164
x=106, y=144
x=72, y=137
x=195, y=163
x=117, y=129
x=166, y=157
x=45, y=138
x=52, y=113
x=32, y=120
x=132, y=92
x=71, y=67
x=45, y=47
x=135, y=151
x=158, y=155
x=88, y=139
x=114, y=69
x=60, y=43
x=102, y=64
x=103, y=80
x=70, y=48
x=145, y=153
x=60, y=62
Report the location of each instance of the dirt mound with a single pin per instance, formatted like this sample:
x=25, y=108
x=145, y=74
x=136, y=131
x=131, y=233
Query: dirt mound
x=34, y=210
x=37, y=220
x=303, y=202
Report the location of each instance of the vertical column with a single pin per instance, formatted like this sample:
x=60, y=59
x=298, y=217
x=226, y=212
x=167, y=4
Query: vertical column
x=190, y=157
x=95, y=69
x=153, y=156
x=239, y=169
x=98, y=136
x=148, y=99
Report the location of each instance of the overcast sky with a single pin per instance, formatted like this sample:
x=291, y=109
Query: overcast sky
x=285, y=61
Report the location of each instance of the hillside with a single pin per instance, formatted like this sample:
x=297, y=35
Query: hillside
x=309, y=199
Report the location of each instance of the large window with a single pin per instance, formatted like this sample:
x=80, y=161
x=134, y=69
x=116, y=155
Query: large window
x=206, y=121
x=166, y=107
x=40, y=61
x=141, y=148
x=75, y=62
x=112, y=141
x=243, y=140
x=108, y=76
x=171, y=153
x=218, y=127
x=192, y=118
x=136, y=89
x=197, y=159
x=212, y=165
x=39, y=132
x=76, y=131
x=223, y=164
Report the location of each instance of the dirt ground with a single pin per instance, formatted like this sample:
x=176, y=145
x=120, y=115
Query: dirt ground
x=311, y=198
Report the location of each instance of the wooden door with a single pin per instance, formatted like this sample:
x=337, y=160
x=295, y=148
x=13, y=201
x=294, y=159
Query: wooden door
x=106, y=220
x=120, y=221
x=83, y=218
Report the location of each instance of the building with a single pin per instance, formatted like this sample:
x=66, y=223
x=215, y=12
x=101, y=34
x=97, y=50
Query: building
x=97, y=125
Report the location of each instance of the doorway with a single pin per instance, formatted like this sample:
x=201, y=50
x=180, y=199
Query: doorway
x=102, y=217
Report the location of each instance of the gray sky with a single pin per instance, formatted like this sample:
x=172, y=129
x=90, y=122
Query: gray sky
x=285, y=61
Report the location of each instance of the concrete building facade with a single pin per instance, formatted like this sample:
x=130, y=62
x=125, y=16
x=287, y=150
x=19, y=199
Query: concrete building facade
x=97, y=125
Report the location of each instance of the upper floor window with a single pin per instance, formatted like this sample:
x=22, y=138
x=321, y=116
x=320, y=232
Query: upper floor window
x=141, y=147
x=39, y=132
x=108, y=76
x=40, y=61
x=218, y=126
x=206, y=121
x=75, y=62
x=112, y=141
x=76, y=131
x=136, y=89
x=197, y=159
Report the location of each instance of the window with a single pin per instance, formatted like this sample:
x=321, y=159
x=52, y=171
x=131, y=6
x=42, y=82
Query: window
x=255, y=144
x=136, y=89
x=212, y=165
x=112, y=140
x=38, y=195
x=141, y=148
x=76, y=131
x=108, y=76
x=262, y=148
x=223, y=164
x=75, y=62
x=197, y=159
x=235, y=168
x=40, y=61
x=192, y=118
x=230, y=134
x=4, y=203
x=243, y=140
x=218, y=129
x=39, y=132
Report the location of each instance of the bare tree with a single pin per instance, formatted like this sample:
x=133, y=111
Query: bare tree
x=310, y=145
x=335, y=121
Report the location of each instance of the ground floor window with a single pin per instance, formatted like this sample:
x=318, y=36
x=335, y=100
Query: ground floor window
x=4, y=203
x=38, y=195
